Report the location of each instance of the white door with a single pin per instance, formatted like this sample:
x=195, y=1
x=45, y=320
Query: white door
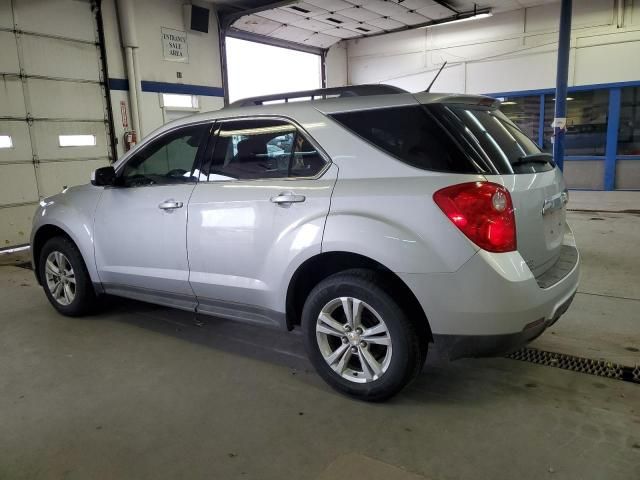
x=141, y=223
x=264, y=204
x=52, y=86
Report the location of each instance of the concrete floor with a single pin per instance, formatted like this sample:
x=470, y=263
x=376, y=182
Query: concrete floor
x=145, y=392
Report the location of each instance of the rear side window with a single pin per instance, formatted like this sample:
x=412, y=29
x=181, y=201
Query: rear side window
x=260, y=149
x=412, y=135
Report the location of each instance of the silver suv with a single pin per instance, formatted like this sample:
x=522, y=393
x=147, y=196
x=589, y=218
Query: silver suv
x=378, y=221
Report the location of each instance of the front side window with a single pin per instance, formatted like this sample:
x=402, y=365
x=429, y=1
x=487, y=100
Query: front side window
x=261, y=149
x=167, y=160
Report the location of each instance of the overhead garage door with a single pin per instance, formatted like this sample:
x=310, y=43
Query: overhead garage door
x=51, y=94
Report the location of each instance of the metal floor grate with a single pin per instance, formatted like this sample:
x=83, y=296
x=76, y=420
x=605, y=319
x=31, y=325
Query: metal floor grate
x=600, y=368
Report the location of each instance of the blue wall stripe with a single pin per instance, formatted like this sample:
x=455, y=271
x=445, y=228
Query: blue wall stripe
x=577, y=88
x=165, y=87
x=582, y=158
x=613, y=123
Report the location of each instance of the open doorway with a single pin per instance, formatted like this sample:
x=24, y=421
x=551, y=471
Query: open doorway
x=258, y=69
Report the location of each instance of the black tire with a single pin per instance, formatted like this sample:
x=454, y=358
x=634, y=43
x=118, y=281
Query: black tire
x=84, y=299
x=409, y=348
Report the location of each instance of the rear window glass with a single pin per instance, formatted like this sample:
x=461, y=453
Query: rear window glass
x=494, y=139
x=412, y=135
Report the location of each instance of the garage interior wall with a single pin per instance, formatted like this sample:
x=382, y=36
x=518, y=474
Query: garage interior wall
x=513, y=53
x=51, y=88
x=201, y=76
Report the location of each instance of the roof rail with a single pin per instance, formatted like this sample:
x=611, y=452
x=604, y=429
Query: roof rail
x=321, y=93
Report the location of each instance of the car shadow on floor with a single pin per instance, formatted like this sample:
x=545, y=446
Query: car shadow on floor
x=464, y=381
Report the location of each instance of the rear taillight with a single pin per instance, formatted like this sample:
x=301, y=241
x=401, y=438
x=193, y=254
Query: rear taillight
x=483, y=211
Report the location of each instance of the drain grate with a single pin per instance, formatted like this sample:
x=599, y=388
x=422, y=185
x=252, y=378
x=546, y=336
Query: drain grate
x=600, y=368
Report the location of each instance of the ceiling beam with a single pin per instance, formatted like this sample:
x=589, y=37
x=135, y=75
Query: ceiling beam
x=446, y=5
x=276, y=42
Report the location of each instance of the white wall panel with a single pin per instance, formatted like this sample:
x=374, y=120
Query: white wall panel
x=451, y=80
x=586, y=13
x=57, y=99
x=17, y=184
x=400, y=42
x=11, y=98
x=527, y=72
x=55, y=176
x=377, y=69
x=6, y=15
x=16, y=223
x=435, y=57
x=8, y=53
x=21, y=150
x=607, y=63
x=336, y=65
x=59, y=58
x=47, y=142
x=63, y=18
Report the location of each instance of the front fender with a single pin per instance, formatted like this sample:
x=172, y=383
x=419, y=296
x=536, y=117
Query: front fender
x=72, y=211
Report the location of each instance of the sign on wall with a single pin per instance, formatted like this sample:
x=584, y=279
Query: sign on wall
x=174, y=45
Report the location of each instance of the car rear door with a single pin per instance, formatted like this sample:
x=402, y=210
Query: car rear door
x=262, y=207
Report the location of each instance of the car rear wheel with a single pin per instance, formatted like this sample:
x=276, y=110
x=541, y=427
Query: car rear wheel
x=358, y=338
x=65, y=279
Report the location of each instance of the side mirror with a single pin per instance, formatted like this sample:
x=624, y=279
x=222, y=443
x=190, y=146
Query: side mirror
x=103, y=176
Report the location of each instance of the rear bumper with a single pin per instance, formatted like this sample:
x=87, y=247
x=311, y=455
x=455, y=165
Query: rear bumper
x=493, y=304
x=459, y=346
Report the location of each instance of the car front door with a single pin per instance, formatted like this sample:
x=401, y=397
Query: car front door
x=141, y=222
x=261, y=210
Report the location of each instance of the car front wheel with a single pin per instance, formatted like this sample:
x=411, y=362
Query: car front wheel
x=358, y=338
x=64, y=277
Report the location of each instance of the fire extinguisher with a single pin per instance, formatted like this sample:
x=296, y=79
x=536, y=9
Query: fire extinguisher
x=130, y=139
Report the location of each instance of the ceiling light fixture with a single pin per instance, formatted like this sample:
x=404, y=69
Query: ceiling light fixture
x=461, y=18
x=475, y=14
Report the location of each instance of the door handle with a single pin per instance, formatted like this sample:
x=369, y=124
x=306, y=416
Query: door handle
x=170, y=205
x=287, y=198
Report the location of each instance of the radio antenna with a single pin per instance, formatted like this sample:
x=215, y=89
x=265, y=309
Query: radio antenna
x=436, y=77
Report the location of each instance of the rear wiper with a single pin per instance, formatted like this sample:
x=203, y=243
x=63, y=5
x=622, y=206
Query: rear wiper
x=534, y=158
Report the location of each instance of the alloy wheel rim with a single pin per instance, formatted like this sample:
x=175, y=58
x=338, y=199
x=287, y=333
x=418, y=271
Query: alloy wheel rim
x=354, y=340
x=60, y=277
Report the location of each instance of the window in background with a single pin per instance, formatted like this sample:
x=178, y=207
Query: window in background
x=259, y=69
x=178, y=100
x=586, y=122
x=629, y=132
x=6, y=141
x=77, y=140
x=525, y=113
